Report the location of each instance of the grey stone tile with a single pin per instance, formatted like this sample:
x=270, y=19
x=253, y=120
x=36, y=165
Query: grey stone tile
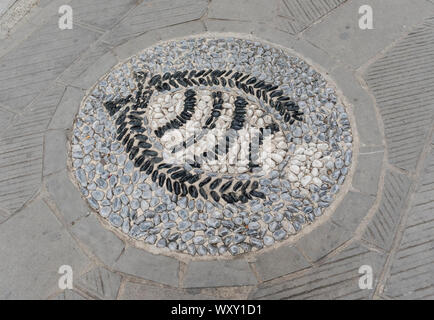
x=340, y=35
x=279, y=262
x=100, y=241
x=140, y=263
x=5, y=5
x=28, y=69
x=138, y=291
x=33, y=246
x=367, y=174
x=153, y=15
x=21, y=151
x=4, y=214
x=67, y=109
x=295, y=16
x=322, y=240
x=55, y=152
x=363, y=106
x=101, y=283
x=95, y=71
x=69, y=295
x=353, y=208
x=247, y=27
x=137, y=44
x=101, y=13
x=403, y=94
x=313, y=54
x=181, y=30
x=244, y=10
x=45, y=11
x=381, y=229
x=412, y=267
x=5, y=119
x=218, y=273
x=66, y=197
x=89, y=67
x=336, y=278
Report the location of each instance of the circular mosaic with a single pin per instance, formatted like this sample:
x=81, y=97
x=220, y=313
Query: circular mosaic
x=211, y=146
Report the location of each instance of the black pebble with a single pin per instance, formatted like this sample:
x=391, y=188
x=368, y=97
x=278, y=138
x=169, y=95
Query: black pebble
x=145, y=165
x=177, y=187
x=150, y=169
x=237, y=185
x=225, y=186
x=246, y=185
x=184, y=189
x=161, y=179
x=193, y=191
x=133, y=153
x=169, y=185
x=227, y=198
x=154, y=176
x=203, y=193
x=255, y=185
x=204, y=181
x=257, y=194
x=215, y=196
x=139, y=161
x=194, y=178
x=215, y=183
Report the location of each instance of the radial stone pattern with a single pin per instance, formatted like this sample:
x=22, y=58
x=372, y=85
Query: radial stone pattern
x=211, y=146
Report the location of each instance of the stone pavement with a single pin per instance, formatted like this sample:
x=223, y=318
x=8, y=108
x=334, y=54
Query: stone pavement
x=385, y=221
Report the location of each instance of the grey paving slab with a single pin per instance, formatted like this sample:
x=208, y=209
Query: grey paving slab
x=67, y=109
x=279, y=262
x=218, y=273
x=5, y=119
x=295, y=16
x=5, y=5
x=244, y=10
x=368, y=171
x=66, y=197
x=365, y=114
x=382, y=227
x=152, y=15
x=46, y=10
x=101, y=283
x=353, y=208
x=55, y=152
x=101, y=242
x=90, y=66
x=31, y=261
x=141, y=42
x=29, y=69
x=340, y=35
x=4, y=214
x=142, y=264
x=139, y=291
x=69, y=295
x=337, y=278
x=12, y=12
x=21, y=151
x=101, y=13
x=322, y=240
x=412, y=269
x=405, y=102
